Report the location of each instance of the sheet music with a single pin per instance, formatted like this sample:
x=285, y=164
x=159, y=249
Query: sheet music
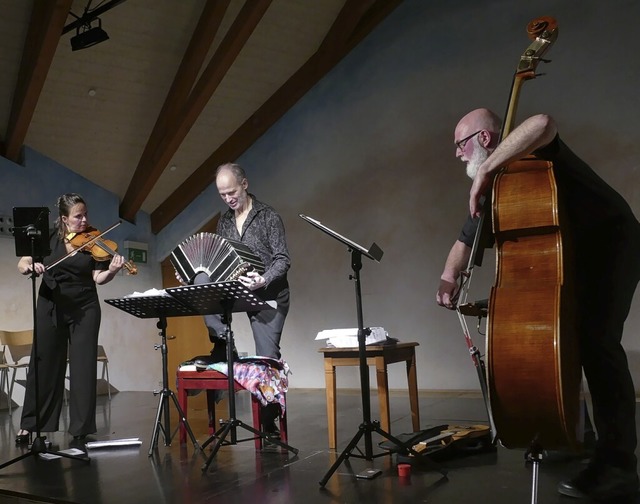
x=69, y=451
x=348, y=338
x=150, y=292
x=113, y=443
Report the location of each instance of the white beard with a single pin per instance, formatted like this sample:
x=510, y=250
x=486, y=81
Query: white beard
x=478, y=157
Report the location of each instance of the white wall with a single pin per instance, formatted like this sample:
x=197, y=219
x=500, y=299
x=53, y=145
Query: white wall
x=369, y=152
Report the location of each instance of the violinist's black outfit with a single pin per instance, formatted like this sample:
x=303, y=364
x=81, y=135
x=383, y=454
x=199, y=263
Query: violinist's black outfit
x=68, y=316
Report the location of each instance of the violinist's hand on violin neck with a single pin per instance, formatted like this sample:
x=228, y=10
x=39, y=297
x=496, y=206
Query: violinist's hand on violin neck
x=116, y=264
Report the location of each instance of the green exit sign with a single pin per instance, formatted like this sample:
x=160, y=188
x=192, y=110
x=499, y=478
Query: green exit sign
x=138, y=256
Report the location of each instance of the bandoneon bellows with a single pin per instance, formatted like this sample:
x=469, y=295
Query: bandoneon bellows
x=220, y=258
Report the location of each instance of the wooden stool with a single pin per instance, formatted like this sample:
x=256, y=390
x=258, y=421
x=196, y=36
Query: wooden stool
x=378, y=356
x=211, y=380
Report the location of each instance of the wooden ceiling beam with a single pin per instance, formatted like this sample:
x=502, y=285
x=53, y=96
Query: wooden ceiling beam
x=147, y=174
x=343, y=26
x=224, y=56
x=372, y=18
x=45, y=27
x=354, y=22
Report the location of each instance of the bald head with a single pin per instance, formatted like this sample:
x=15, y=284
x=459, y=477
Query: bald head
x=478, y=119
x=476, y=136
x=232, y=185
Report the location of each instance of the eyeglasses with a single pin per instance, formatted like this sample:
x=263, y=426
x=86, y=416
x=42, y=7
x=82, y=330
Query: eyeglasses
x=461, y=143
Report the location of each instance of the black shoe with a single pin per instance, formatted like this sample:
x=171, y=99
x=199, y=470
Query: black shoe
x=271, y=429
x=202, y=362
x=601, y=483
x=78, y=443
x=81, y=440
x=22, y=439
x=268, y=417
x=273, y=434
x=219, y=351
x=218, y=354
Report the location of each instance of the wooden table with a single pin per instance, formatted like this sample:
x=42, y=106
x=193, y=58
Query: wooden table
x=378, y=356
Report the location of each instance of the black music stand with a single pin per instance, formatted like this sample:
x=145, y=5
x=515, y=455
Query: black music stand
x=225, y=298
x=31, y=232
x=367, y=426
x=160, y=307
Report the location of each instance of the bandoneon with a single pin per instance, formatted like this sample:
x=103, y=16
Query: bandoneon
x=220, y=258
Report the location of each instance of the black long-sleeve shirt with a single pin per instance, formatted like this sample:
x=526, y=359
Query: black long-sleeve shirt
x=263, y=232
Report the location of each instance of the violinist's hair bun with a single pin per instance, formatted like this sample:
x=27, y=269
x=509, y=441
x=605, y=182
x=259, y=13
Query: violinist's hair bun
x=67, y=201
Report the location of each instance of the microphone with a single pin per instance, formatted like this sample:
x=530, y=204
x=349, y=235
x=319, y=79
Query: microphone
x=31, y=230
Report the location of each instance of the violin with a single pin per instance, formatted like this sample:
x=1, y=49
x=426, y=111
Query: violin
x=100, y=249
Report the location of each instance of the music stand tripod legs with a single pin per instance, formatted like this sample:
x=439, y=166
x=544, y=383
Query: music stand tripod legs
x=367, y=427
x=39, y=444
x=229, y=427
x=163, y=403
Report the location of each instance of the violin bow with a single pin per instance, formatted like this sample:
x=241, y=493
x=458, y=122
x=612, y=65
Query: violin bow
x=89, y=243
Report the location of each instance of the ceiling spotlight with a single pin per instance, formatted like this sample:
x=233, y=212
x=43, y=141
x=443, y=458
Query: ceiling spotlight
x=87, y=36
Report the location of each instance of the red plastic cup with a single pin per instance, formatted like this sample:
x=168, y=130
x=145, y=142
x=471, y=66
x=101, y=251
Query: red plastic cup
x=404, y=470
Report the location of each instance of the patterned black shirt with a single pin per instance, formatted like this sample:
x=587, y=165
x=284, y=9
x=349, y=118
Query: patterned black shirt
x=263, y=232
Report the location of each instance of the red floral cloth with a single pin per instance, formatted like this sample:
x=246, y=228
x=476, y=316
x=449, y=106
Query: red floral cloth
x=266, y=378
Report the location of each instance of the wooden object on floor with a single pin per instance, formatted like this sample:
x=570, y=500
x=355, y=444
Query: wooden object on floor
x=210, y=381
x=379, y=356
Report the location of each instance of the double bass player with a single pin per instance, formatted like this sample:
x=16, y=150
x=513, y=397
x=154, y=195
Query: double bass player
x=606, y=235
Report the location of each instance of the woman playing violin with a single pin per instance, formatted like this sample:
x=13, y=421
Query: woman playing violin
x=68, y=316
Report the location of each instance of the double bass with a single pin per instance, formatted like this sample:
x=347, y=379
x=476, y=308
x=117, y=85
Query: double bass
x=534, y=374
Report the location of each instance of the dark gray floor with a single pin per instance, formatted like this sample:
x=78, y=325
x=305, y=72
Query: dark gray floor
x=239, y=473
